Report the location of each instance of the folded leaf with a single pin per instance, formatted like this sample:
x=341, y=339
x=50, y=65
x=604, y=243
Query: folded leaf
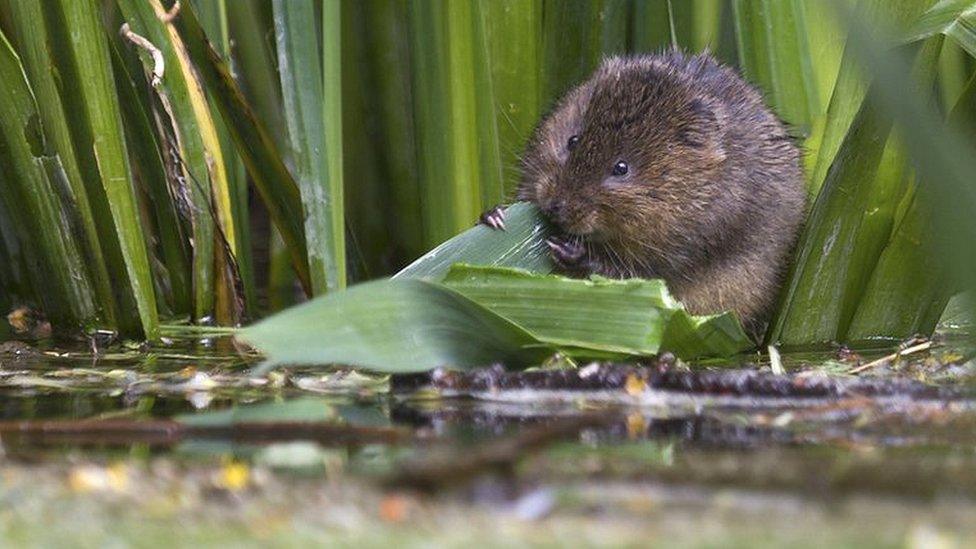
x=624, y=316
x=522, y=244
x=482, y=315
x=392, y=326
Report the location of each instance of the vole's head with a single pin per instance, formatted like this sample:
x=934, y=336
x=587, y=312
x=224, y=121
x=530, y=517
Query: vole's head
x=630, y=156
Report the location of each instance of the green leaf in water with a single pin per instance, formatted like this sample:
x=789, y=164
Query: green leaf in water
x=483, y=315
x=625, y=316
x=391, y=326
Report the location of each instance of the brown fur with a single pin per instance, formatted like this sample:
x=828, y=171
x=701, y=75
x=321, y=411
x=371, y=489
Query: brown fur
x=713, y=198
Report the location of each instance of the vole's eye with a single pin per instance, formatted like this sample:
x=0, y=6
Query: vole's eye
x=620, y=168
x=573, y=141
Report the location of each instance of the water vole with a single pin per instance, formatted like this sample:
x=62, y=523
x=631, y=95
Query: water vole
x=669, y=166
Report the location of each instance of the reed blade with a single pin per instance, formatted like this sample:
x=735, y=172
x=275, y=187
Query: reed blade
x=314, y=119
x=30, y=189
x=88, y=62
x=262, y=159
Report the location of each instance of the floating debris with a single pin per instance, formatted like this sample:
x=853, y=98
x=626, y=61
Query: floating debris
x=665, y=386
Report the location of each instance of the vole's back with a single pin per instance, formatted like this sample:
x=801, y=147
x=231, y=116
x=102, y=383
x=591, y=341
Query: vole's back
x=671, y=166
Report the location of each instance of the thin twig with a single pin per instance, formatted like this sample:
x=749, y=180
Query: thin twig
x=168, y=16
x=159, y=63
x=893, y=356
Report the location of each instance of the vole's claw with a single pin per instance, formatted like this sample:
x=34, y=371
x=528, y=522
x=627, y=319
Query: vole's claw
x=567, y=253
x=494, y=218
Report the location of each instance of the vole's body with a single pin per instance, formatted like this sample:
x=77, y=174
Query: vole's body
x=670, y=166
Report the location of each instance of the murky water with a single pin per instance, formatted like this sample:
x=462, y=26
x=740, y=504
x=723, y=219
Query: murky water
x=140, y=447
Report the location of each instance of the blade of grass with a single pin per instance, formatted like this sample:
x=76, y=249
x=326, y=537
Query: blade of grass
x=572, y=40
x=651, y=26
x=151, y=172
x=61, y=282
x=942, y=155
x=332, y=114
x=491, y=179
x=220, y=195
x=50, y=29
x=849, y=225
x=367, y=70
x=955, y=19
x=774, y=55
x=910, y=286
x=195, y=139
x=850, y=88
x=98, y=104
x=451, y=129
x=12, y=285
x=317, y=165
x=386, y=48
x=614, y=26
x=512, y=28
x=826, y=42
x=275, y=184
x=252, y=31
x=697, y=26
x=31, y=41
x=214, y=18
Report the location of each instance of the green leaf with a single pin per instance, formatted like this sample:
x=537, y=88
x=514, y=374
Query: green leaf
x=689, y=336
x=317, y=165
x=215, y=21
x=909, y=287
x=953, y=18
x=194, y=137
x=849, y=226
x=850, y=88
x=382, y=157
x=483, y=315
x=774, y=54
x=522, y=244
x=391, y=326
x=512, y=39
x=572, y=44
x=599, y=317
x=150, y=170
x=457, y=149
x=625, y=316
x=945, y=160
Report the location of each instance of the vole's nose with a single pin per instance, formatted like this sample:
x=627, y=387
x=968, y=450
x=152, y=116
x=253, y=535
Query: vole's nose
x=555, y=209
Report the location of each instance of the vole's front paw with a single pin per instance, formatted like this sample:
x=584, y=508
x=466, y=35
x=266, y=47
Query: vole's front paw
x=569, y=254
x=494, y=218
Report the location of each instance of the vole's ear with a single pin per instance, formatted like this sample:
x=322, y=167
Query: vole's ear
x=704, y=129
